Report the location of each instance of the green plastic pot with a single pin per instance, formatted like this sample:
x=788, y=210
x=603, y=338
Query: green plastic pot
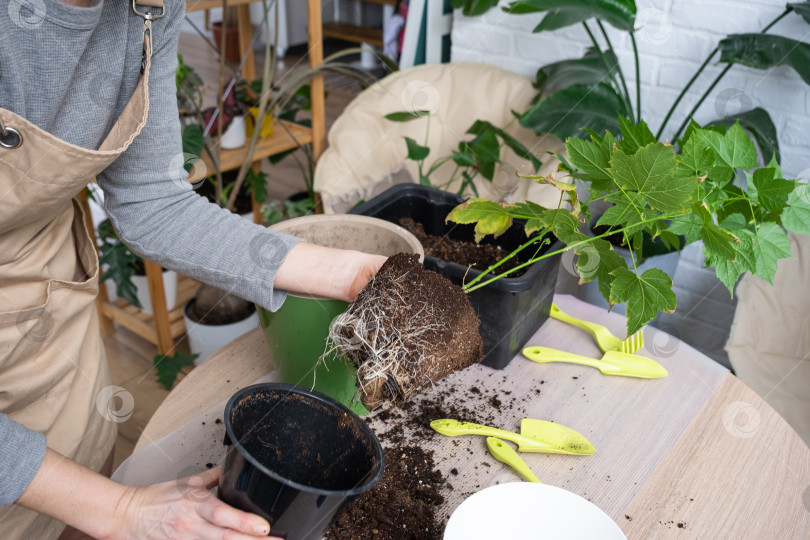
x=296, y=333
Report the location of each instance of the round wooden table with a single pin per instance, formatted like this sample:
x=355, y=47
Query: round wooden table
x=694, y=455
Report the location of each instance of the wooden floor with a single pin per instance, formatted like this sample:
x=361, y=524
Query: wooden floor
x=129, y=356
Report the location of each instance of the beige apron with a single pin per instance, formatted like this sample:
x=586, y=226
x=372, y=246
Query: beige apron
x=52, y=360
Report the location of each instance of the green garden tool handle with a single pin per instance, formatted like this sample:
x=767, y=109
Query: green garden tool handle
x=453, y=428
x=545, y=354
x=589, y=327
x=506, y=454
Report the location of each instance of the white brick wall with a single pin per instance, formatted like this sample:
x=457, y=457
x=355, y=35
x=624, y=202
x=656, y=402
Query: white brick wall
x=674, y=38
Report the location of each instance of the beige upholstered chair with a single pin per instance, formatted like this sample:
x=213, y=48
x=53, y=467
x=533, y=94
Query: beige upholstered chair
x=367, y=153
x=769, y=345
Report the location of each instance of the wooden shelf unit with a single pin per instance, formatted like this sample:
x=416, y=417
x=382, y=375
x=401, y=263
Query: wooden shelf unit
x=164, y=326
x=354, y=33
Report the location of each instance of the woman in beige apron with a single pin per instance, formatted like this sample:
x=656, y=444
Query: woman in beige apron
x=52, y=363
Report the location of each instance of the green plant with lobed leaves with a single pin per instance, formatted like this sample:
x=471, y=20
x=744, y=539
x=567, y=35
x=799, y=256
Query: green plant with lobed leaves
x=477, y=156
x=592, y=91
x=709, y=190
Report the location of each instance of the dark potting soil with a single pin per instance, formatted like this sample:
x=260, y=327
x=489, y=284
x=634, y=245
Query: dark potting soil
x=477, y=256
x=431, y=329
x=304, y=440
x=401, y=507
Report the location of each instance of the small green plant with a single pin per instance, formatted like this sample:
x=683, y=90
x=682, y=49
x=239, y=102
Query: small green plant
x=121, y=264
x=708, y=190
x=477, y=156
x=169, y=367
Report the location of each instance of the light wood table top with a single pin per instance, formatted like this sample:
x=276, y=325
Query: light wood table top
x=694, y=455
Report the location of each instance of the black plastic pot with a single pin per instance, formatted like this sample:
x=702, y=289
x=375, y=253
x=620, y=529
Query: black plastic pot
x=296, y=457
x=510, y=309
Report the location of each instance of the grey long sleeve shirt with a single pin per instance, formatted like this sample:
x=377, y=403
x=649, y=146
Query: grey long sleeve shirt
x=71, y=71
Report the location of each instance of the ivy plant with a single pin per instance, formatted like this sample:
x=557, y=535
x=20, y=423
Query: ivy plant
x=708, y=189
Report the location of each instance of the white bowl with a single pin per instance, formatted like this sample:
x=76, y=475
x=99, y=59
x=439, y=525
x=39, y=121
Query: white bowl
x=527, y=511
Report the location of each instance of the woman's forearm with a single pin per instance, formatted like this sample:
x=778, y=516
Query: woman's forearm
x=74, y=495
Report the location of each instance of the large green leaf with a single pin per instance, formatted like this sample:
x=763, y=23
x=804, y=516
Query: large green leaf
x=758, y=122
x=695, y=159
x=627, y=212
x=796, y=217
x=650, y=172
x=688, y=226
x=733, y=150
x=586, y=70
x=645, y=295
x=592, y=160
x=406, y=116
x=597, y=260
x=169, y=367
x=802, y=9
x=634, y=136
x=770, y=244
x=192, y=145
x=729, y=271
x=764, y=51
x=471, y=8
x=618, y=13
x=768, y=190
x=566, y=112
x=489, y=217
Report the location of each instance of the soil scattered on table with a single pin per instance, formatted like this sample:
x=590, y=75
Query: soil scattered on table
x=401, y=507
x=405, y=331
x=477, y=256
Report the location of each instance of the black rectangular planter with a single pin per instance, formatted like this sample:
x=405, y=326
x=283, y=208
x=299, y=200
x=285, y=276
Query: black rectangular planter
x=510, y=309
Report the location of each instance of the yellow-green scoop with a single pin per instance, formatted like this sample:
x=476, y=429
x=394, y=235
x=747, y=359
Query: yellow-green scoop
x=534, y=436
x=506, y=454
x=612, y=363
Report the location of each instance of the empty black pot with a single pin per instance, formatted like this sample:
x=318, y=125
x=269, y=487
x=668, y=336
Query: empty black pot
x=296, y=457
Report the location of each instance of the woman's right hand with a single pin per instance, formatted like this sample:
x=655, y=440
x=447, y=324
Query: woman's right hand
x=184, y=509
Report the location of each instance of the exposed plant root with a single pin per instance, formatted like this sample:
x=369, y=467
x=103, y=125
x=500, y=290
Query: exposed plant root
x=400, y=339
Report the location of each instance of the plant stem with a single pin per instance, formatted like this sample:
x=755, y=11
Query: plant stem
x=618, y=66
x=638, y=75
x=470, y=288
x=609, y=68
x=708, y=91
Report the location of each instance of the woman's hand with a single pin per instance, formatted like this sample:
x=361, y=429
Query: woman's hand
x=184, y=509
x=327, y=272
x=179, y=510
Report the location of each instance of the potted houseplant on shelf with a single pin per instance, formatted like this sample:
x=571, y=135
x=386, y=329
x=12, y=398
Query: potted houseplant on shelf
x=511, y=309
x=126, y=270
